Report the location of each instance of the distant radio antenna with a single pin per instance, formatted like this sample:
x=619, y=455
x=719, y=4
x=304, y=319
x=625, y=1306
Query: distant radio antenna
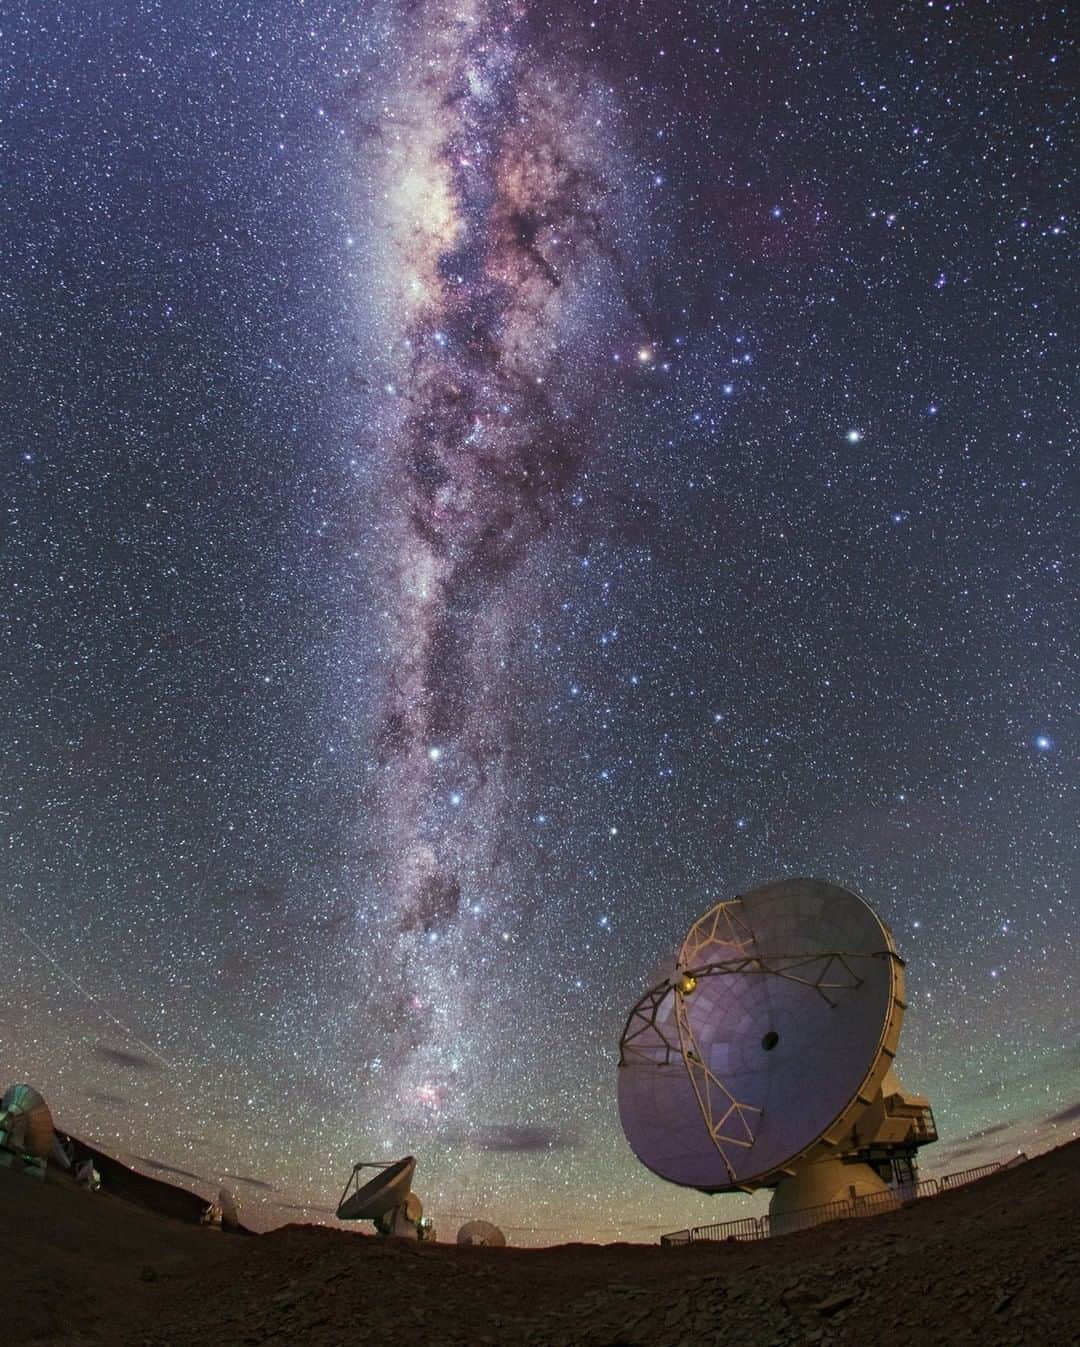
x=481, y=1232
x=387, y=1199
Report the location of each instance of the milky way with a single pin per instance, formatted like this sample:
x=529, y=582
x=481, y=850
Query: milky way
x=499, y=216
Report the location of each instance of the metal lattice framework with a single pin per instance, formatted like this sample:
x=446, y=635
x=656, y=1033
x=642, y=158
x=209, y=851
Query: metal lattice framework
x=719, y=1107
x=721, y=925
x=787, y=966
x=725, y=1116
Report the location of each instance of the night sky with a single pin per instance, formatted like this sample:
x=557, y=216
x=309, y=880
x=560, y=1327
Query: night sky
x=482, y=483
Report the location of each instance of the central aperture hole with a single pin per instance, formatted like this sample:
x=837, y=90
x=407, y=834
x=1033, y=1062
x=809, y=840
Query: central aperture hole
x=770, y=1040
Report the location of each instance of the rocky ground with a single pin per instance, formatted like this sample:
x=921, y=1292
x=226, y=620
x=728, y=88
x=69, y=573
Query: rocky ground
x=995, y=1263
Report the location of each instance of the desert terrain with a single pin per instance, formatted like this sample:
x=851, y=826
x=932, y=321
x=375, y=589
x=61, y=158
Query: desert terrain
x=997, y=1262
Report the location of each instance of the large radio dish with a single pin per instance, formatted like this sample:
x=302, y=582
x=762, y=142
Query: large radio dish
x=381, y=1195
x=766, y=1048
x=481, y=1232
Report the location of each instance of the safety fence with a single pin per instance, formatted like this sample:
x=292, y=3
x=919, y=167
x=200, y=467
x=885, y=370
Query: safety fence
x=967, y=1176
x=748, y=1228
x=872, y=1204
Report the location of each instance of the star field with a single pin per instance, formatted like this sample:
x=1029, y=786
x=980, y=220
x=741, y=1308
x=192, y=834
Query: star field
x=482, y=484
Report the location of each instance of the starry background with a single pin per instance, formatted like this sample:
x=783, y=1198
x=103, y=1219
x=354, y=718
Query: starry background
x=481, y=484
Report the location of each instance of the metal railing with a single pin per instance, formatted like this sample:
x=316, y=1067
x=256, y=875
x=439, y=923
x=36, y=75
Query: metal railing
x=963, y=1176
x=872, y=1204
x=749, y=1227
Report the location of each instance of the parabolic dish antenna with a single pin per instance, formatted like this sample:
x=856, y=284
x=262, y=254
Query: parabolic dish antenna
x=760, y=1060
x=481, y=1232
x=380, y=1195
x=387, y=1199
x=26, y=1125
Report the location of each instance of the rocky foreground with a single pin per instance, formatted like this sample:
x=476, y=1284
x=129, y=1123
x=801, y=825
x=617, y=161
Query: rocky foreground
x=995, y=1263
